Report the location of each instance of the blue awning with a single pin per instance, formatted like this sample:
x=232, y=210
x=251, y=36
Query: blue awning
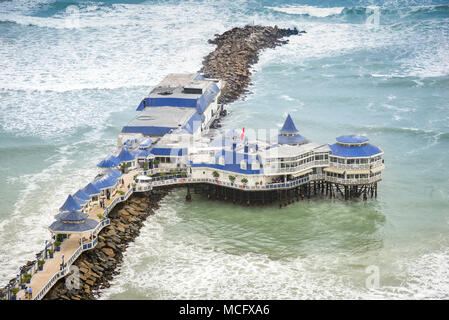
x=169, y=151
x=91, y=190
x=80, y=194
x=80, y=201
x=109, y=162
x=70, y=204
x=125, y=155
x=113, y=172
x=105, y=181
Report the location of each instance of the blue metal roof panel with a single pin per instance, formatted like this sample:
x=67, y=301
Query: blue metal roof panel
x=125, y=155
x=365, y=150
x=70, y=204
x=91, y=190
x=289, y=126
x=80, y=194
x=169, y=151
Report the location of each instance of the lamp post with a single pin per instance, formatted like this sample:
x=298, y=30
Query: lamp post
x=46, y=249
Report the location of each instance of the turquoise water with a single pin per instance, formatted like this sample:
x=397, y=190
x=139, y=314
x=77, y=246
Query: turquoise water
x=73, y=72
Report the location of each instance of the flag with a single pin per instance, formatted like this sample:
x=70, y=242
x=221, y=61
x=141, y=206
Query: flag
x=243, y=133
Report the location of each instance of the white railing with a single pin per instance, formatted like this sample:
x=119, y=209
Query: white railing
x=365, y=166
x=84, y=246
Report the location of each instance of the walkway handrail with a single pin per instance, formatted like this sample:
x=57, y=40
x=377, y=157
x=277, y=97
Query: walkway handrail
x=75, y=255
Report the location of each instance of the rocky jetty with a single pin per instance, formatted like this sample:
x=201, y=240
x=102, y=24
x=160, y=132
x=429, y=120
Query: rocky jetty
x=98, y=265
x=238, y=49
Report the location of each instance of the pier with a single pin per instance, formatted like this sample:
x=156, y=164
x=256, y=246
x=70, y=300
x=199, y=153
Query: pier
x=169, y=144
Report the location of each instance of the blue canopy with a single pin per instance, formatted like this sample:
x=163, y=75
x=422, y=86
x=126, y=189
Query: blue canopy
x=105, y=181
x=80, y=201
x=72, y=216
x=113, y=172
x=289, y=126
x=70, y=204
x=80, y=194
x=125, y=155
x=109, y=162
x=91, y=190
x=87, y=225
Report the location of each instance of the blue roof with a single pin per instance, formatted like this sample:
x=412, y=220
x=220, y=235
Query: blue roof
x=169, y=151
x=70, y=204
x=90, y=189
x=141, y=153
x=194, y=122
x=80, y=201
x=289, y=126
x=113, y=172
x=365, y=150
x=105, y=181
x=296, y=139
x=72, y=216
x=59, y=226
x=109, y=162
x=125, y=155
x=80, y=194
x=200, y=104
x=352, y=139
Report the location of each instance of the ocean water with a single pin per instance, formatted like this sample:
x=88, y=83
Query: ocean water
x=73, y=72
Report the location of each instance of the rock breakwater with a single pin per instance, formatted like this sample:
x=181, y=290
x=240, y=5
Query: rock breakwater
x=237, y=50
x=99, y=265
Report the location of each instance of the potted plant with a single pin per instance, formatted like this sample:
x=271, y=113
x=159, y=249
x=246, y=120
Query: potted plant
x=257, y=183
x=14, y=293
x=244, y=181
x=184, y=173
x=216, y=175
x=27, y=277
x=23, y=280
x=51, y=252
x=60, y=238
x=172, y=172
x=58, y=245
x=41, y=264
x=162, y=175
x=232, y=179
x=156, y=163
x=145, y=165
